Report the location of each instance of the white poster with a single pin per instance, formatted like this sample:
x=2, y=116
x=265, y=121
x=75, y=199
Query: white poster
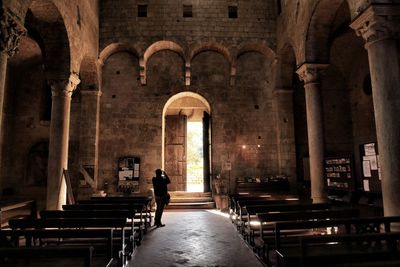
x=125, y=175
x=369, y=149
x=379, y=173
x=366, y=168
x=372, y=161
x=366, y=185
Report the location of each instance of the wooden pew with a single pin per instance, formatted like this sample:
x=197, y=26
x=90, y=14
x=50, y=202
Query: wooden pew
x=145, y=214
x=251, y=225
x=140, y=225
x=146, y=200
x=14, y=210
x=76, y=214
x=42, y=256
x=101, y=240
x=266, y=239
x=241, y=217
x=374, y=249
x=118, y=224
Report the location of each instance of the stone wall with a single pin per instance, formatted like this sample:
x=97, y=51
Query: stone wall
x=242, y=115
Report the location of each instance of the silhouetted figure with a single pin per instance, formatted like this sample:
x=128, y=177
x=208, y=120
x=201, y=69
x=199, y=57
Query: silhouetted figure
x=161, y=193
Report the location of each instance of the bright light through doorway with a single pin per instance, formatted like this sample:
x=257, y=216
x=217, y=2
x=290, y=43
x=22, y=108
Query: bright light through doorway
x=195, y=157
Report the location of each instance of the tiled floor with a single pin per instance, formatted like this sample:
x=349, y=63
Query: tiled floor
x=194, y=239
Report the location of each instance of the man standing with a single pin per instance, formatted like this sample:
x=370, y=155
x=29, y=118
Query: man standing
x=161, y=193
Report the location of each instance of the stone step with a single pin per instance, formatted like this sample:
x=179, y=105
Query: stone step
x=197, y=205
x=190, y=199
x=189, y=194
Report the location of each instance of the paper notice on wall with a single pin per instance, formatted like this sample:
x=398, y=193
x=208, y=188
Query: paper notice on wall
x=136, y=166
x=369, y=149
x=372, y=161
x=366, y=184
x=379, y=173
x=366, y=168
x=125, y=175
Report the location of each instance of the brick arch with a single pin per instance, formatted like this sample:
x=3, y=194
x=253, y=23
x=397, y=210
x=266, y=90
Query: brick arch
x=319, y=30
x=287, y=65
x=216, y=47
x=44, y=17
x=261, y=48
x=115, y=48
x=163, y=45
x=154, y=48
x=88, y=73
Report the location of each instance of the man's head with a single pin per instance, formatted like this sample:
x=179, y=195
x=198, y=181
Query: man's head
x=158, y=172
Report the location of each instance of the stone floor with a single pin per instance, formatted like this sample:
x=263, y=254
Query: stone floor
x=194, y=238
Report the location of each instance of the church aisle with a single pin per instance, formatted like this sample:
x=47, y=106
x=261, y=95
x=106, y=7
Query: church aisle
x=194, y=238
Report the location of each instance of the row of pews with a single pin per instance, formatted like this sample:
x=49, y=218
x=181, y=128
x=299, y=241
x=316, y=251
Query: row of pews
x=101, y=231
x=289, y=232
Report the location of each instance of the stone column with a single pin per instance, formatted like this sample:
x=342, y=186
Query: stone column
x=310, y=73
x=89, y=132
x=379, y=25
x=61, y=90
x=283, y=98
x=11, y=30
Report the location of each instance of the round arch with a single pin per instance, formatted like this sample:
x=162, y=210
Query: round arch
x=211, y=47
x=318, y=34
x=257, y=47
x=115, y=48
x=192, y=99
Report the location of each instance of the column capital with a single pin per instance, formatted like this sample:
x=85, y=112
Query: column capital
x=378, y=22
x=63, y=86
x=11, y=30
x=310, y=72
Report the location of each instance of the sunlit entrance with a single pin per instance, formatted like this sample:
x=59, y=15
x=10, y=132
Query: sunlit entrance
x=186, y=143
x=195, y=161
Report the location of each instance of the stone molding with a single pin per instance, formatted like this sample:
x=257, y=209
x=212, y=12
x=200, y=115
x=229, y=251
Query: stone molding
x=91, y=93
x=11, y=31
x=310, y=72
x=283, y=90
x=64, y=87
x=378, y=22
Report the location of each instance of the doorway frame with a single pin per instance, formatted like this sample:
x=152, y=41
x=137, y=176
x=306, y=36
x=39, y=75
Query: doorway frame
x=167, y=104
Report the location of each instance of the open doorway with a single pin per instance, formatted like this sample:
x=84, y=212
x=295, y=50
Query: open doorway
x=186, y=142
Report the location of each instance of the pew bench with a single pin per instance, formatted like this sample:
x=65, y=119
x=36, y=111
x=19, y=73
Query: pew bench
x=251, y=224
x=372, y=250
x=42, y=256
x=100, y=240
x=117, y=224
x=241, y=213
x=76, y=214
x=140, y=225
x=266, y=240
x=15, y=210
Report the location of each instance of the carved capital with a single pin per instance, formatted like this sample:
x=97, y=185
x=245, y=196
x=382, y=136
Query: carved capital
x=310, y=73
x=11, y=30
x=63, y=86
x=378, y=22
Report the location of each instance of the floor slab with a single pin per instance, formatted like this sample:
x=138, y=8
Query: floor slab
x=194, y=238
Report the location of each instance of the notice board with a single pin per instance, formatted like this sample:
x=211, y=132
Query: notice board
x=371, y=171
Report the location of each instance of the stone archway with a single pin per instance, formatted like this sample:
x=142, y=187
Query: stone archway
x=181, y=111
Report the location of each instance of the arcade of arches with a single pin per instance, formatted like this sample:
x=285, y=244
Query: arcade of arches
x=284, y=85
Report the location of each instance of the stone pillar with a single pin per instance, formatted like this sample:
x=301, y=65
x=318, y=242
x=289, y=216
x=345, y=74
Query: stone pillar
x=283, y=98
x=89, y=132
x=379, y=25
x=61, y=90
x=310, y=73
x=11, y=30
